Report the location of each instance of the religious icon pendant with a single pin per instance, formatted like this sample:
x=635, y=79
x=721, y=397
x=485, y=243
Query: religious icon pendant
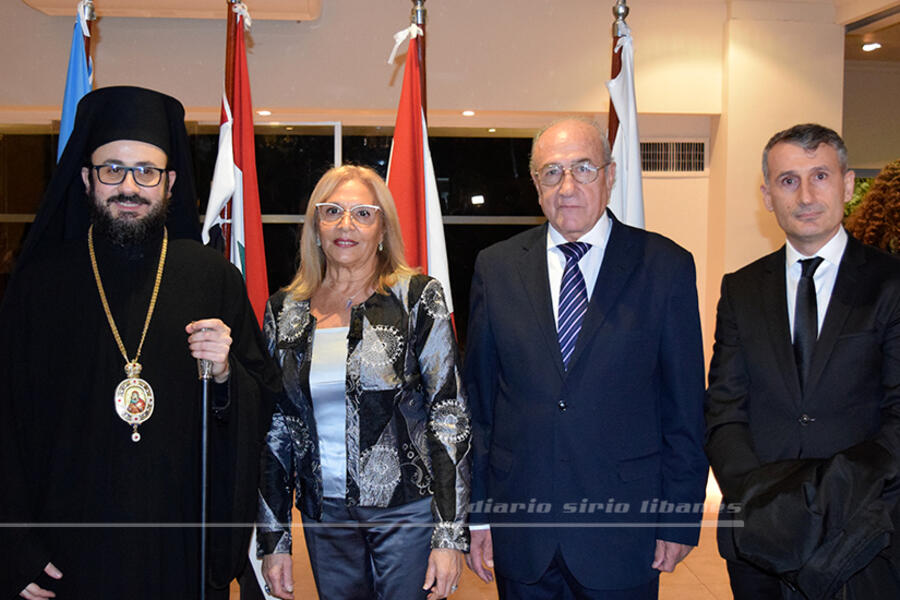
x=134, y=399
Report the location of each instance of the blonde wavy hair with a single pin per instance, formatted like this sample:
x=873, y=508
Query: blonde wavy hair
x=391, y=264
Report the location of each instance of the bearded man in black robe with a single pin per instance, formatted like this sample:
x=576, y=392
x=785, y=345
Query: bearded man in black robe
x=100, y=465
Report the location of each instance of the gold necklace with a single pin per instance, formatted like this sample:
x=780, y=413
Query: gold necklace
x=134, y=396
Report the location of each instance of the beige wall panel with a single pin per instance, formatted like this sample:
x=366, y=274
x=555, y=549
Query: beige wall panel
x=872, y=113
x=522, y=55
x=677, y=207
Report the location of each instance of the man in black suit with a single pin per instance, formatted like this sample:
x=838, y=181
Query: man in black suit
x=584, y=370
x=804, y=388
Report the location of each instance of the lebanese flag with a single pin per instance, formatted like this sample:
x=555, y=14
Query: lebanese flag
x=234, y=177
x=411, y=175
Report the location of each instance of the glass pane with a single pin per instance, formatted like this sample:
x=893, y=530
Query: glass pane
x=26, y=162
x=368, y=150
x=282, y=245
x=464, y=242
x=492, y=171
x=287, y=168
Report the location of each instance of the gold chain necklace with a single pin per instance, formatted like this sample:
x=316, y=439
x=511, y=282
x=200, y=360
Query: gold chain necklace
x=134, y=396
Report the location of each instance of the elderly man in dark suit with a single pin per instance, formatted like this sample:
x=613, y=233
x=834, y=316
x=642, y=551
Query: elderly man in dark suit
x=803, y=405
x=584, y=370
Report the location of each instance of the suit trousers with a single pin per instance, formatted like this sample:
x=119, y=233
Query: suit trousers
x=558, y=583
x=370, y=553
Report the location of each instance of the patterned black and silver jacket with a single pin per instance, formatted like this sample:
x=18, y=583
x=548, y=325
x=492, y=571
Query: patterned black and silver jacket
x=408, y=425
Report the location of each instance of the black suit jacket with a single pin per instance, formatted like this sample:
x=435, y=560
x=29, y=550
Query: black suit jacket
x=755, y=411
x=632, y=428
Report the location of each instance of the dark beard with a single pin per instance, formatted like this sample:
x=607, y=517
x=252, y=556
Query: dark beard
x=127, y=232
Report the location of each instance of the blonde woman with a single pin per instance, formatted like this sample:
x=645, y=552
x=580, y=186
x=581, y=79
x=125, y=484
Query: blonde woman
x=374, y=434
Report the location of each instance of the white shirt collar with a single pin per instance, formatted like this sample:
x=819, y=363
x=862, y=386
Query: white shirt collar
x=832, y=251
x=597, y=236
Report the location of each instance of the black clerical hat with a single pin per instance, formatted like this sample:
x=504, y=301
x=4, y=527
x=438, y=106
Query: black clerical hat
x=130, y=113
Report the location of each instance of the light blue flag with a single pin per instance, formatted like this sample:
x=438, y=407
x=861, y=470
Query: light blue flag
x=79, y=80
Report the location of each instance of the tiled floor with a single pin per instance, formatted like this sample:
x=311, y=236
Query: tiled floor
x=701, y=576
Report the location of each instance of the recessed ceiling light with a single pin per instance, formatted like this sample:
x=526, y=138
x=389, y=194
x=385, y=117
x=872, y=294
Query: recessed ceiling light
x=264, y=113
x=871, y=47
x=479, y=199
x=468, y=113
x=492, y=130
x=288, y=128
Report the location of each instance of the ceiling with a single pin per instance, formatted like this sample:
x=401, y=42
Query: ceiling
x=883, y=28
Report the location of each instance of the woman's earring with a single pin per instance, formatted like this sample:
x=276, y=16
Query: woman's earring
x=381, y=246
x=318, y=241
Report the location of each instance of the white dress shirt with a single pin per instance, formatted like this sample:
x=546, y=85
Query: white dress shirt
x=823, y=278
x=589, y=265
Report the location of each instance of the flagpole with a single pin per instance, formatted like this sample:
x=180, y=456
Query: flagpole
x=229, y=52
x=620, y=12
x=231, y=20
x=417, y=17
x=89, y=16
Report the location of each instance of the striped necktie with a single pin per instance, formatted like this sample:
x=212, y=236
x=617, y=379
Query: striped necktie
x=573, y=299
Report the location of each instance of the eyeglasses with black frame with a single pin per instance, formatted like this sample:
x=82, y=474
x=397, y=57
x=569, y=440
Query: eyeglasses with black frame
x=583, y=171
x=143, y=175
x=361, y=214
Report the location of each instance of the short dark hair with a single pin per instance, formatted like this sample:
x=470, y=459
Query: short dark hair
x=808, y=136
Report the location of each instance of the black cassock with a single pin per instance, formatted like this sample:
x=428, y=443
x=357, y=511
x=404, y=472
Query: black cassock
x=105, y=510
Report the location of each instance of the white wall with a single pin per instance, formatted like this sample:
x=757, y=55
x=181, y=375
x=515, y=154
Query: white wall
x=507, y=55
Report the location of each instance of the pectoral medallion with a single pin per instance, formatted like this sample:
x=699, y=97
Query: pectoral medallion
x=134, y=399
x=134, y=396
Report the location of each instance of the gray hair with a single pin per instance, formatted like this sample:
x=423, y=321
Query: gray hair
x=601, y=134
x=808, y=136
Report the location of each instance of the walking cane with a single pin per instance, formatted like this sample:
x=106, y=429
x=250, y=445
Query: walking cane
x=204, y=370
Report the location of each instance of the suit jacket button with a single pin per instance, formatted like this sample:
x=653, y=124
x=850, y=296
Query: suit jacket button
x=806, y=420
x=562, y=406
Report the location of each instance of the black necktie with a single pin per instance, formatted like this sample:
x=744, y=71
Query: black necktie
x=806, y=317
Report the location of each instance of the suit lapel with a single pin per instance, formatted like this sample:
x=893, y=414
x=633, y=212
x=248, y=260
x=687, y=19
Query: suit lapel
x=843, y=297
x=773, y=291
x=533, y=271
x=621, y=257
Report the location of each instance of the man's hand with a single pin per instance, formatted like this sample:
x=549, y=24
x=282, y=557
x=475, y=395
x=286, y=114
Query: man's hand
x=444, y=569
x=33, y=591
x=278, y=571
x=210, y=339
x=481, y=554
x=669, y=554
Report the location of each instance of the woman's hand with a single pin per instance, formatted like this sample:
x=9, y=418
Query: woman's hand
x=444, y=569
x=278, y=571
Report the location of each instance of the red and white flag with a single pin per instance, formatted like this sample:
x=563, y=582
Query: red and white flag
x=411, y=174
x=234, y=178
